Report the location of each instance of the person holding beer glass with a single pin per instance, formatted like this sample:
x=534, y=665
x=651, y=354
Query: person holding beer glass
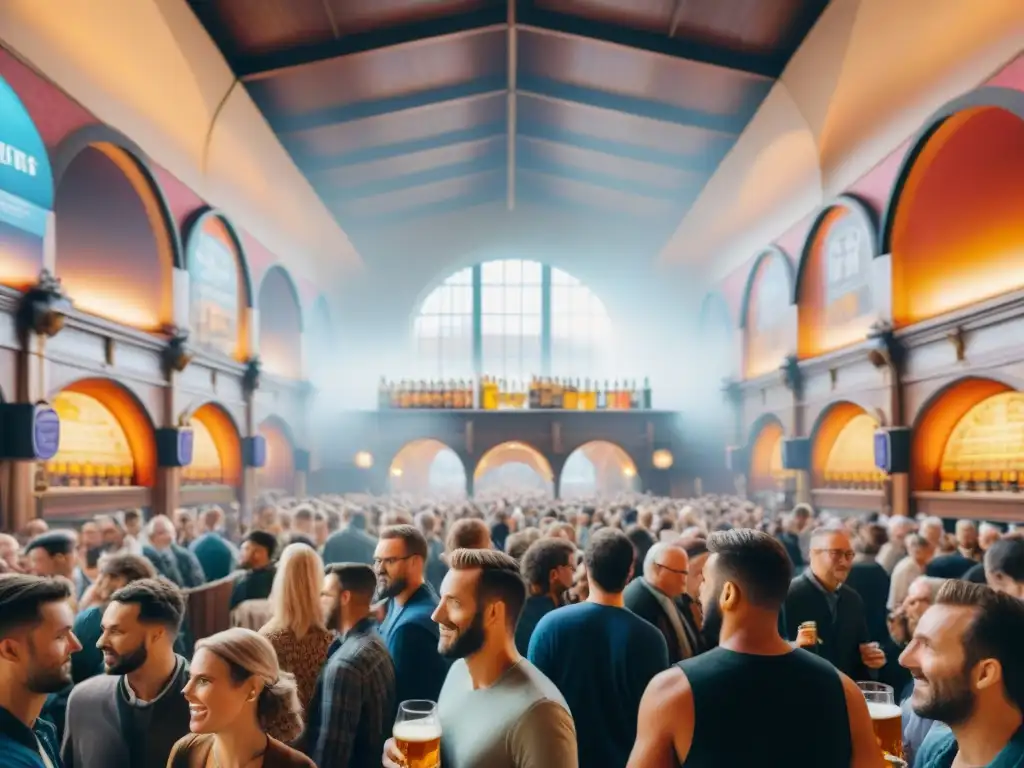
x=736, y=705
x=967, y=660
x=496, y=710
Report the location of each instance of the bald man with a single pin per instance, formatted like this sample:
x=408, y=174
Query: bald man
x=653, y=597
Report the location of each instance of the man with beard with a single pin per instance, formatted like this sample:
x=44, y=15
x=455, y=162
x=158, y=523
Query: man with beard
x=407, y=629
x=820, y=595
x=132, y=716
x=600, y=654
x=36, y=643
x=547, y=566
x=354, y=703
x=257, y=558
x=753, y=688
x=968, y=670
x=496, y=709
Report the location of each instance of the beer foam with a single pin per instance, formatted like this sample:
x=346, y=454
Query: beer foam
x=417, y=731
x=879, y=711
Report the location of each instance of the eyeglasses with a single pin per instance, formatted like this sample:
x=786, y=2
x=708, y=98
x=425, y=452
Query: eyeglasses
x=674, y=570
x=387, y=562
x=838, y=554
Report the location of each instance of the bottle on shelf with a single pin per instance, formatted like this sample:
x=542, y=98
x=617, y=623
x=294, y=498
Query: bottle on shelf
x=601, y=396
x=571, y=396
x=647, y=394
x=557, y=394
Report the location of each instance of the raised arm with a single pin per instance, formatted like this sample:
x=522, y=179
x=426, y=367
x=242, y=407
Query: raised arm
x=866, y=751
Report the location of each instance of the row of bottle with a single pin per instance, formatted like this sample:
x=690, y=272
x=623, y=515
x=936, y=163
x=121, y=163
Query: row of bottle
x=991, y=481
x=72, y=474
x=494, y=394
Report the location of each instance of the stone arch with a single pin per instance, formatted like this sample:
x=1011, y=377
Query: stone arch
x=614, y=470
x=280, y=323
x=412, y=469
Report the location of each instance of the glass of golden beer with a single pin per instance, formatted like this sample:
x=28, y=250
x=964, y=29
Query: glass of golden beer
x=886, y=716
x=417, y=734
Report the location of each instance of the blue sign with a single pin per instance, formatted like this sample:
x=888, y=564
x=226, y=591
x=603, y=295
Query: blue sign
x=45, y=433
x=24, y=164
x=186, y=441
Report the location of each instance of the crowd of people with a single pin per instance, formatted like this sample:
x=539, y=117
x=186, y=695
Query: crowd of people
x=603, y=633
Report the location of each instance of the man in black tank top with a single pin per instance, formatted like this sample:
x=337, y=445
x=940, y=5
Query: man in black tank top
x=755, y=700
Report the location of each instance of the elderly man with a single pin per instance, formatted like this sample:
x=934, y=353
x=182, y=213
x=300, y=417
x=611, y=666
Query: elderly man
x=171, y=559
x=654, y=598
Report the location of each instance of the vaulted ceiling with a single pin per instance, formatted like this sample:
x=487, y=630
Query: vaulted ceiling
x=397, y=110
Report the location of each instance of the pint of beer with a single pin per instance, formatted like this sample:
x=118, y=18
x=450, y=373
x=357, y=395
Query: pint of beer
x=417, y=734
x=885, y=716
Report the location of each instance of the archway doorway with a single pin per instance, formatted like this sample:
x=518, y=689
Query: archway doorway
x=427, y=468
x=598, y=468
x=513, y=468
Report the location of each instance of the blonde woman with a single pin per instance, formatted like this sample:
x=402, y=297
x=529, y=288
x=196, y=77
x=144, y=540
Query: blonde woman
x=235, y=690
x=296, y=628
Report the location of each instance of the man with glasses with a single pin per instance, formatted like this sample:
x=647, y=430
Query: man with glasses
x=653, y=598
x=820, y=595
x=411, y=636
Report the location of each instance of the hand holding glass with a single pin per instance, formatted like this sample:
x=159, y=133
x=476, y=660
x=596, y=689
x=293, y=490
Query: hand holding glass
x=417, y=734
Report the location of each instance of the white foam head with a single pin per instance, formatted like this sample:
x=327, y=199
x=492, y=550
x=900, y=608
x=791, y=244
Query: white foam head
x=417, y=730
x=879, y=711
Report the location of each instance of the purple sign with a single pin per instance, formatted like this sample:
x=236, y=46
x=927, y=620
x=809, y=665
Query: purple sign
x=45, y=432
x=186, y=440
x=882, y=450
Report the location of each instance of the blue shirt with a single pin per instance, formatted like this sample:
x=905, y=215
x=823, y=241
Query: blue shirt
x=601, y=658
x=20, y=745
x=412, y=639
x=940, y=749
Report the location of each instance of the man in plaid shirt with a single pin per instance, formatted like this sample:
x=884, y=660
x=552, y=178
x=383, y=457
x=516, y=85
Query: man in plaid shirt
x=353, y=708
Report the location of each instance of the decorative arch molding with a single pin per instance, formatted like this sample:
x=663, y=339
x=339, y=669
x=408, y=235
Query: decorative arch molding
x=857, y=207
x=225, y=433
x=1009, y=99
x=765, y=436
x=194, y=225
x=714, y=302
x=279, y=471
x=828, y=427
x=292, y=289
x=137, y=167
x=633, y=459
x=771, y=252
x=939, y=416
x=411, y=446
x=613, y=448
x=125, y=406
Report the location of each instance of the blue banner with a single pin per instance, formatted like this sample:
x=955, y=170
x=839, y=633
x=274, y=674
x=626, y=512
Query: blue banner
x=24, y=163
x=22, y=214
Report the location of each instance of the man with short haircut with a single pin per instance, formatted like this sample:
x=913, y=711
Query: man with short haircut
x=257, y=558
x=302, y=522
x=407, y=629
x=1004, y=567
x=53, y=554
x=895, y=549
x=600, y=654
x=496, y=709
x=159, y=537
x=132, y=716
x=654, y=596
x=548, y=567
x=736, y=705
x=215, y=554
x=354, y=704
x=820, y=594
x=968, y=670
x=36, y=647
x=468, y=533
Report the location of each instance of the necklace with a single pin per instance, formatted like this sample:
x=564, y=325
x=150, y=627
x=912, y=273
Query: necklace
x=247, y=763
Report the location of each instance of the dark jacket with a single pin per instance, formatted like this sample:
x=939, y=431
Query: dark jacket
x=952, y=566
x=349, y=545
x=870, y=580
x=188, y=565
x=840, y=637
x=253, y=585
x=639, y=600
x=18, y=743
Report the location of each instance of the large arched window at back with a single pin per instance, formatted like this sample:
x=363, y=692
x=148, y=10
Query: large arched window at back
x=444, y=328
x=580, y=328
x=513, y=319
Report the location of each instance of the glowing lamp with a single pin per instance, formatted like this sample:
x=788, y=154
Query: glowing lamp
x=662, y=459
x=363, y=459
x=628, y=471
x=396, y=471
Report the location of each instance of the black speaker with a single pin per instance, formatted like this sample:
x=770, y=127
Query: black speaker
x=796, y=453
x=892, y=449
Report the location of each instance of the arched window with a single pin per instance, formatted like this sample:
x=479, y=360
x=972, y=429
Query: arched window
x=444, y=328
x=512, y=318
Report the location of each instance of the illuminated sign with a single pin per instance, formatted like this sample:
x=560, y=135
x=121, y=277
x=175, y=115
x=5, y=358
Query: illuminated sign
x=214, y=288
x=847, y=253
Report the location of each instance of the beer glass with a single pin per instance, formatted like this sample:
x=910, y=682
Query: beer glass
x=886, y=716
x=417, y=734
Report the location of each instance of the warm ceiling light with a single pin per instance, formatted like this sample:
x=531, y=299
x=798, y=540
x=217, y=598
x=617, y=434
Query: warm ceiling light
x=363, y=459
x=396, y=471
x=662, y=459
x=628, y=471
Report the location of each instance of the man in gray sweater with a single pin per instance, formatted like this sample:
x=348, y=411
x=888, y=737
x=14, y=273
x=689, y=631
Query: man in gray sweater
x=132, y=716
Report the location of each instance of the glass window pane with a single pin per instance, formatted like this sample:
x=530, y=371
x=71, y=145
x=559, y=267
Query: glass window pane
x=580, y=327
x=560, y=299
x=462, y=277
x=513, y=299
x=513, y=272
x=430, y=326
x=513, y=326
x=531, y=272
x=491, y=325
x=492, y=273
x=445, y=304
x=432, y=304
x=532, y=325
x=532, y=300
x=492, y=300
